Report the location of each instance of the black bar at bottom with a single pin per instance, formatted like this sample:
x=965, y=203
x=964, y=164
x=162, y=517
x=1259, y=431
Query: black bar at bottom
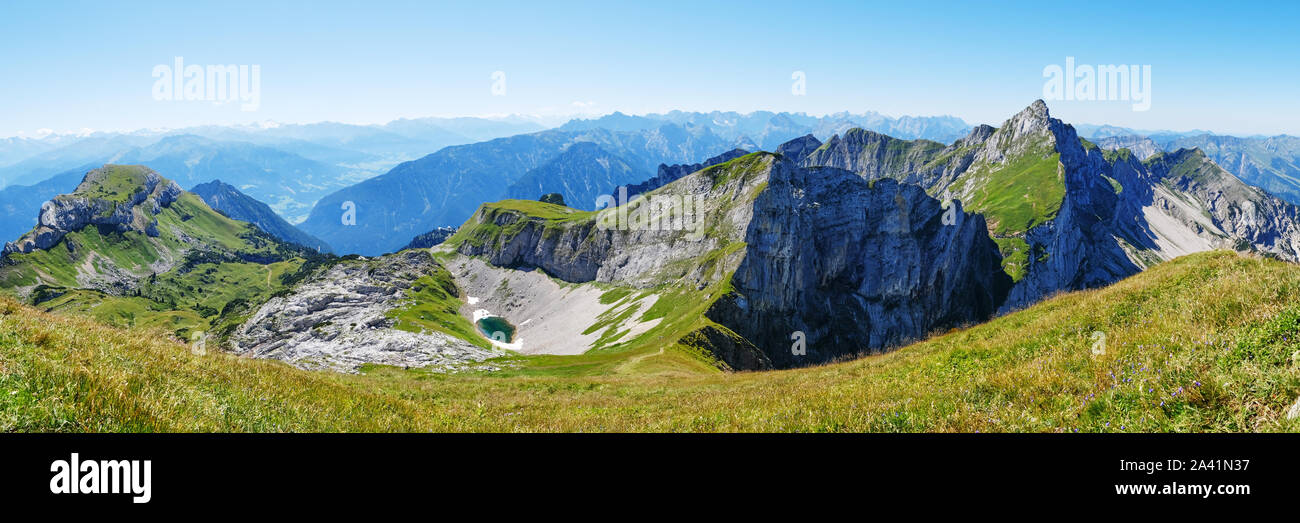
x=229, y=471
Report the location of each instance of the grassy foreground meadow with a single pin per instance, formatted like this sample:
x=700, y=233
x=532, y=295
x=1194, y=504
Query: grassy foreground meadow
x=1208, y=342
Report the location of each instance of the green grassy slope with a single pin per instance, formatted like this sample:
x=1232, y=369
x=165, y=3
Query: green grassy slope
x=1021, y=194
x=114, y=183
x=1207, y=342
x=1014, y=196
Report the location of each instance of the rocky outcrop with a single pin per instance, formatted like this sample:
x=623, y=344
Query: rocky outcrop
x=339, y=320
x=92, y=204
x=873, y=155
x=1238, y=214
x=1074, y=247
x=1120, y=215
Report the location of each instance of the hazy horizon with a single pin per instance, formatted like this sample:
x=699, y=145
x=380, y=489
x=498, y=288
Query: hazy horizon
x=559, y=120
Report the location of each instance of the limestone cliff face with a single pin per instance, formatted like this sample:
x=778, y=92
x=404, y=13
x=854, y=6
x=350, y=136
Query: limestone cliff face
x=855, y=266
x=91, y=204
x=808, y=246
x=640, y=244
x=1244, y=216
x=1074, y=248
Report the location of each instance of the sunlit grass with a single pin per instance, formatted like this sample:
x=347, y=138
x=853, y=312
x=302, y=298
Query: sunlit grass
x=1204, y=343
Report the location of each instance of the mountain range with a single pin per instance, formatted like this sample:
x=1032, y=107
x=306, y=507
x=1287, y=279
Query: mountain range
x=1271, y=163
x=444, y=188
x=813, y=252
x=767, y=130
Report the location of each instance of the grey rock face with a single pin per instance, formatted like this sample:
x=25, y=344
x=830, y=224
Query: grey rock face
x=856, y=266
x=1242, y=213
x=1171, y=205
x=1270, y=163
x=338, y=321
x=871, y=154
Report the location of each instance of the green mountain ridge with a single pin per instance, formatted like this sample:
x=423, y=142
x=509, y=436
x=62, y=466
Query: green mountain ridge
x=130, y=257
x=231, y=202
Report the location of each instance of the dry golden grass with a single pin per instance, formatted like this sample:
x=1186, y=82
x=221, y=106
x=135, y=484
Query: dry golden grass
x=1204, y=343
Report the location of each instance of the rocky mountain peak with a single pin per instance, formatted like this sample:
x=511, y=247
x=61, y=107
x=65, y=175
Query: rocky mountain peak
x=1032, y=122
x=126, y=197
x=1033, y=131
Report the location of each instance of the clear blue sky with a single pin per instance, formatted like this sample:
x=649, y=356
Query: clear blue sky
x=1215, y=65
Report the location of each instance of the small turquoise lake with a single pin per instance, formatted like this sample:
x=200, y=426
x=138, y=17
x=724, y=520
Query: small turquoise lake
x=497, y=328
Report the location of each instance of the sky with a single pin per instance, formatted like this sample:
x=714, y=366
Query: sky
x=67, y=66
